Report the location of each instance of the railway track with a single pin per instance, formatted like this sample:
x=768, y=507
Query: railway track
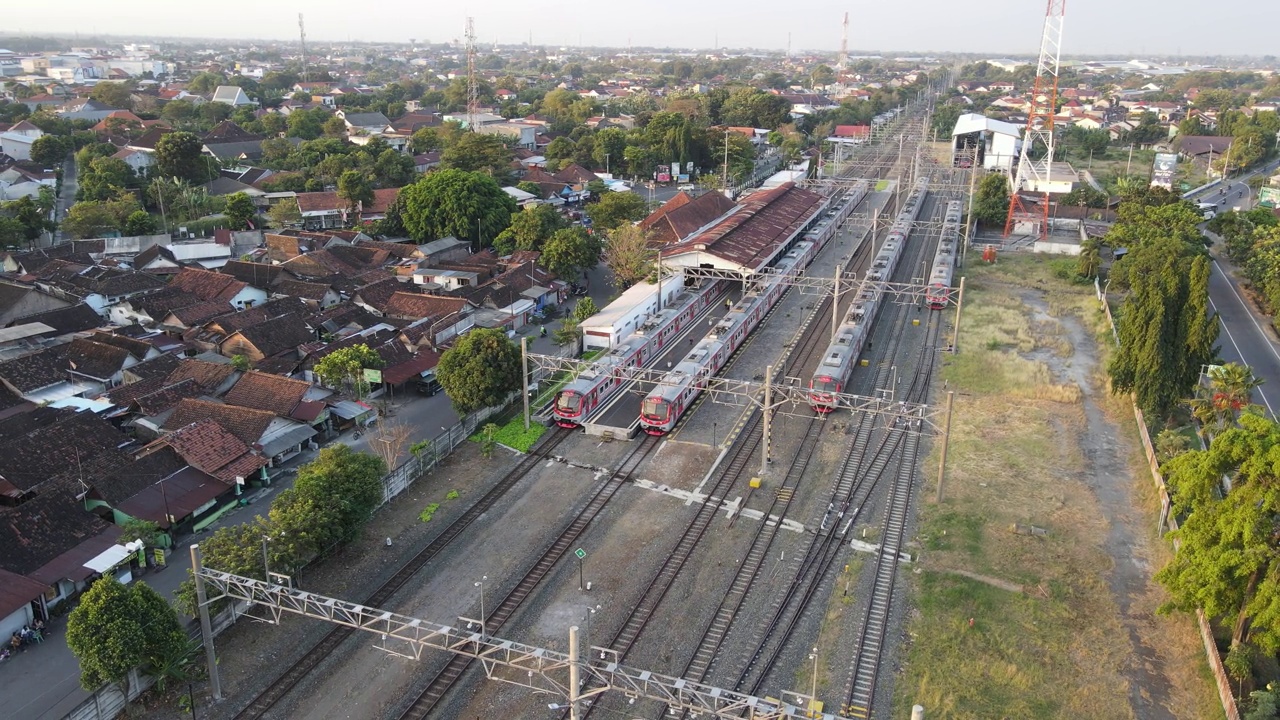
x=810, y=344
x=294, y=674
x=869, y=650
x=458, y=664
x=858, y=476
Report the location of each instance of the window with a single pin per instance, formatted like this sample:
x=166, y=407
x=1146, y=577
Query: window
x=654, y=409
x=568, y=402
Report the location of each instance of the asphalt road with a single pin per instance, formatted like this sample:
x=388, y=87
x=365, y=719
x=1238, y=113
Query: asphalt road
x=68, y=197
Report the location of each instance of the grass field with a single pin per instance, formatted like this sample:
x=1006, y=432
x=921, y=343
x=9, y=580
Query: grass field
x=1009, y=625
x=513, y=435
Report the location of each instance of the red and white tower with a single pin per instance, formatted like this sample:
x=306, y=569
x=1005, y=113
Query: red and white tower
x=1033, y=174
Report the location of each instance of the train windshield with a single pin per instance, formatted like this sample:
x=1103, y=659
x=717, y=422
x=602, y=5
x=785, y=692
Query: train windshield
x=568, y=402
x=824, y=384
x=654, y=408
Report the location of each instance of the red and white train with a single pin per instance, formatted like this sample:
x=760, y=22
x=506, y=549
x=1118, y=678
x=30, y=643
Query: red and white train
x=680, y=387
x=938, y=294
x=598, y=382
x=837, y=362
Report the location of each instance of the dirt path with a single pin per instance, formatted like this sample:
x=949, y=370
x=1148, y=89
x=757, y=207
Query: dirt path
x=1106, y=448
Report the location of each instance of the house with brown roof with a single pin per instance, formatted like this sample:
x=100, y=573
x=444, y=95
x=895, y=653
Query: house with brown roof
x=259, y=275
x=210, y=448
x=214, y=378
x=416, y=306
x=322, y=210
x=158, y=487
x=275, y=437
x=318, y=295
x=274, y=393
x=269, y=338
x=208, y=285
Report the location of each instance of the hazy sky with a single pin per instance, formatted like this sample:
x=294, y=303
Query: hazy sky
x=1122, y=28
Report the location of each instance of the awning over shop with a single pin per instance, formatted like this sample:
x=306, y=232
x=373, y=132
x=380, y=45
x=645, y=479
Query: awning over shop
x=112, y=556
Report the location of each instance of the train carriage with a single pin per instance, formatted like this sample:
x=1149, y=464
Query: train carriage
x=938, y=293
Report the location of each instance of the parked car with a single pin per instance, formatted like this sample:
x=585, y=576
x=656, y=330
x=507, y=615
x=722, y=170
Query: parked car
x=429, y=385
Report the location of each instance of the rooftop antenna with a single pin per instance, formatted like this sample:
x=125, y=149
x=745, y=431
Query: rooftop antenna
x=844, y=43
x=1044, y=103
x=302, y=34
x=473, y=93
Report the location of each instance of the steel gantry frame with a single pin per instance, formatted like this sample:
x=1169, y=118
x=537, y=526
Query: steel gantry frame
x=565, y=675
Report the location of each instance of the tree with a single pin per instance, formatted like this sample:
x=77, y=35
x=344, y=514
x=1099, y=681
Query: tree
x=104, y=178
x=570, y=251
x=991, y=201
x=393, y=169
x=284, y=214
x=530, y=187
x=335, y=127
x=28, y=218
x=205, y=82
x=178, y=154
x=480, y=370
x=1229, y=554
x=139, y=222
x=608, y=148
x=117, y=628
x=50, y=150
x=615, y=209
x=1090, y=260
x=823, y=75
x=92, y=219
x=628, y=255
x=474, y=152
x=354, y=187
x=135, y=529
x=530, y=228
x=585, y=308
x=467, y=205
x=115, y=94
x=568, y=333
x=240, y=210
x=345, y=367
x=350, y=481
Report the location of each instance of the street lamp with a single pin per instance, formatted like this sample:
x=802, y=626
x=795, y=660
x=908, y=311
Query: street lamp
x=266, y=565
x=480, y=584
x=590, y=611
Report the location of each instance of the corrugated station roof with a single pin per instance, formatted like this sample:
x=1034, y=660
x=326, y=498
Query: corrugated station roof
x=752, y=236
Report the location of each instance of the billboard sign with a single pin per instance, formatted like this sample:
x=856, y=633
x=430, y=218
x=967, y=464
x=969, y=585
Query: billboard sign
x=1162, y=171
x=664, y=177
x=1269, y=197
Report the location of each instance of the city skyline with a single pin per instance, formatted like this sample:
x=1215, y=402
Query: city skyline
x=999, y=27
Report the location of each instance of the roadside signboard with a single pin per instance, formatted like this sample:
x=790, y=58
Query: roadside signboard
x=1162, y=172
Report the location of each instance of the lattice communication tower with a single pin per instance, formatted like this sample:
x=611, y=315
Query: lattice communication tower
x=1034, y=174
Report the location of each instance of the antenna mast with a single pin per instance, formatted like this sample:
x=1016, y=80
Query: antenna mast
x=302, y=33
x=473, y=91
x=1044, y=104
x=844, y=44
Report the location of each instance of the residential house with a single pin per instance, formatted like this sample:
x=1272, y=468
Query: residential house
x=16, y=142
x=212, y=449
x=138, y=160
x=287, y=398
x=86, y=109
x=369, y=123
x=268, y=339
x=20, y=300
x=520, y=134
x=214, y=286
x=17, y=182
x=232, y=95
x=321, y=210
x=276, y=438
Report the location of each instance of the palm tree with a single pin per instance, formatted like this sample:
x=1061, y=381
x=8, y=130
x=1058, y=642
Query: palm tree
x=1232, y=386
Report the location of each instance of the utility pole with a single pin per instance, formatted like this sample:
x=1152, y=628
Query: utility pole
x=768, y=410
x=524, y=377
x=946, y=437
x=969, y=224
x=575, y=683
x=955, y=333
x=835, y=304
x=302, y=34
x=206, y=627
x=726, y=162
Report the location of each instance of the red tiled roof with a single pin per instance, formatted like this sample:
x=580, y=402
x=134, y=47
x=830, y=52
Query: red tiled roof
x=207, y=285
x=246, y=424
x=209, y=447
x=414, y=305
x=682, y=216
x=208, y=374
x=273, y=393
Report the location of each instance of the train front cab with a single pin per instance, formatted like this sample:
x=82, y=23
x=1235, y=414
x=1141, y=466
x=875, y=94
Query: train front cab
x=822, y=389
x=655, y=415
x=568, y=409
x=937, y=296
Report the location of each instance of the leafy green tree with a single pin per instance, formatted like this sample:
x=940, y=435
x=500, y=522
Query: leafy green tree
x=529, y=229
x=991, y=200
x=139, y=222
x=530, y=187
x=178, y=154
x=92, y=219
x=240, y=210
x=50, y=150
x=568, y=332
x=345, y=367
x=480, y=370
x=615, y=209
x=1090, y=260
x=628, y=256
x=585, y=308
x=307, y=124
x=235, y=549
x=474, y=152
x=424, y=140
x=116, y=628
x=570, y=251
x=608, y=149
x=11, y=232
x=347, y=483
x=1163, y=341
x=822, y=75
x=205, y=82
x=335, y=127
x=467, y=205
x=1229, y=556
x=103, y=178
x=560, y=148
x=29, y=218
x=355, y=188
x=115, y=94
x=750, y=107
x=179, y=112
x=393, y=169
x=1266, y=703
x=284, y=214
x=136, y=529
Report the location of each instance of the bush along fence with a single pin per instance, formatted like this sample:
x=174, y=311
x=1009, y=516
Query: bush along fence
x=1167, y=520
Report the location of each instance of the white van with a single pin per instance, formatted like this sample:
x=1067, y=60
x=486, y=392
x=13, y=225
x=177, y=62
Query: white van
x=687, y=187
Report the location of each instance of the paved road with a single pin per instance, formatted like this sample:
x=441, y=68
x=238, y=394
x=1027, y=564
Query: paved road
x=70, y=185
